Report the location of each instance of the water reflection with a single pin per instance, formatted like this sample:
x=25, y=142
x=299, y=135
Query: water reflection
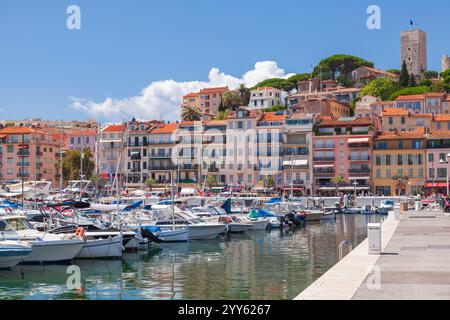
x=259, y=265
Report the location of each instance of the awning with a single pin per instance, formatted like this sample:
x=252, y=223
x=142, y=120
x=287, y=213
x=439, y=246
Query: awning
x=358, y=140
x=359, y=178
x=436, y=185
x=323, y=166
x=2, y=136
x=296, y=163
x=353, y=188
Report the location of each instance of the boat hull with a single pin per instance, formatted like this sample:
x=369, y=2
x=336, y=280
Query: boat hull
x=205, y=231
x=102, y=248
x=54, y=251
x=177, y=235
x=239, y=227
x=260, y=224
x=10, y=257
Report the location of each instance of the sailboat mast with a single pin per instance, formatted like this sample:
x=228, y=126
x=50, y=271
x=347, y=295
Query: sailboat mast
x=173, y=200
x=60, y=160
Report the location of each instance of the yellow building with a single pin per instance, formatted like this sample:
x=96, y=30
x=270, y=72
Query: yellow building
x=401, y=120
x=399, y=162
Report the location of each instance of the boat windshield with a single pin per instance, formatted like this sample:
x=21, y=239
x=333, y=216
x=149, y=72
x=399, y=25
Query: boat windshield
x=14, y=225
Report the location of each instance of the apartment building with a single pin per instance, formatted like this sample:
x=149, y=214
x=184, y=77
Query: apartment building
x=298, y=153
x=111, y=148
x=342, y=148
x=422, y=103
x=30, y=154
x=399, y=154
x=398, y=119
x=265, y=97
x=437, y=161
x=160, y=146
x=324, y=107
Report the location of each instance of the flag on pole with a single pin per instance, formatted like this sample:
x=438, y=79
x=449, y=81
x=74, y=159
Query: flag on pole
x=412, y=23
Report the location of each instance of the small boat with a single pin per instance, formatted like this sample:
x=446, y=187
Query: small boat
x=47, y=247
x=12, y=253
x=95, y=248
x=386, y=206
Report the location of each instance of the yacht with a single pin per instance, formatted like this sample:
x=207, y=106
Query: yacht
x=168, y=218
x=13, y=253
x=31, y=189
x=47, y=247
x=234, y=223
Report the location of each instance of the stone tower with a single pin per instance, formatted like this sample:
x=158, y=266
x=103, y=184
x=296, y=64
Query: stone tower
x=445, y=62
x=414, y=52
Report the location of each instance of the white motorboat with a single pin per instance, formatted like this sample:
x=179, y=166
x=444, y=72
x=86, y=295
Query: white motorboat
x=31, y=189
x=13, y=253
x=313, y=215
x=234, y=223
x=47, y=247
x=94, y=248
x=168, y=217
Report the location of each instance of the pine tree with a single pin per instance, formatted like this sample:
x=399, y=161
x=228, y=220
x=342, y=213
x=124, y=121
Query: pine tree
x=412, y=81
x=404, y=76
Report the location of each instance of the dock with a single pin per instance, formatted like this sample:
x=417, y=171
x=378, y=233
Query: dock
x=414, y=264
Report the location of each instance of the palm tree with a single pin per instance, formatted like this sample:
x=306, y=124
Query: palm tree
x=337, y=181
x=211, y=181
x=400, y=180
x=222, y=115
x=230, y=100
x=190, y=113
x=244, y=94
x=270, y=182
x=150, y=183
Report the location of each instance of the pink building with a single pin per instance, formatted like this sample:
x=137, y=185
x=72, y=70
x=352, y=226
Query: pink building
x=438, y=147
x=342, y=148
x=28, y=153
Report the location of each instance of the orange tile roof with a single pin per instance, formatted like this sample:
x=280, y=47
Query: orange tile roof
x=421, y=115
x=380, y=72
x=216, y=123
x=214, y=90
x=411, y=97
x=114, y=128
x=328, y=121
x=192, y=95
x=416, y=134
x=442, y=117
x=266, y=88
x=82, y=133
x=17, y=130
x=395, y=112
x=166, y=128
x=439, y=134
x=272, y=116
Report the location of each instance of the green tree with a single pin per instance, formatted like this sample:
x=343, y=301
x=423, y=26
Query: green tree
x=72, y=164
x=382, y=88
x=425, y=83
x=412, y=81
x=150, y=183
x=270, y=183
x=191, y=113
x=431, y=75
x=394, y=71
x=244, y=94
x=222, y=115
x=282, y=84
x=275, y=108
x=404, y=76
x=230, y=101
x=408, y=91
x=339, y=65
x=211, y=181
x=299, y=77
x=337, y=181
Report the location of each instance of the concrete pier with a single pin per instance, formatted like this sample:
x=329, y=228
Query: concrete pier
x=415, y=264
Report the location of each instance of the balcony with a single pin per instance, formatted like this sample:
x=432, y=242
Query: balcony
x=161, y=155
x=39, y=154
x=322, y=146
x=23, y=154
x=161, y=168
x=359, y=145
x=136, y=157
x=359, y=171
x=324, y=172
x=359, y=158
x=25, y=164
x=135, y=170
x=324, y=159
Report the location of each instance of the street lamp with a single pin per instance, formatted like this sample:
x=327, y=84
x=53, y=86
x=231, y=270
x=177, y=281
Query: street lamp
x=442, y=161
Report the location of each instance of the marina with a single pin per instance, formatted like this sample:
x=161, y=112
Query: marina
x=257, y=265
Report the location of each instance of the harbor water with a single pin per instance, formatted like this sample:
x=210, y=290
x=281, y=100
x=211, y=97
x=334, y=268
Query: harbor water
x=256, y=265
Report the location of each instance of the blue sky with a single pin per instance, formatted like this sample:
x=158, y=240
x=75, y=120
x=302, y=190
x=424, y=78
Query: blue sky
x=125, y=46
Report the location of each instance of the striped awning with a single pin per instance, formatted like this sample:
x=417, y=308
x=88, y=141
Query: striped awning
x=358, y=140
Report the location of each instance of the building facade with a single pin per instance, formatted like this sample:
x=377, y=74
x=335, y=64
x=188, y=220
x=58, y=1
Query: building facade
x=265, y=97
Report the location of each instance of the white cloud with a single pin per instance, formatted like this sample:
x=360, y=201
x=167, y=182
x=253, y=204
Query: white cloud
x=162, y=99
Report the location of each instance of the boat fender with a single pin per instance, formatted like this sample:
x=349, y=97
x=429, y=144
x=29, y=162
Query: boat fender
x=80, y=232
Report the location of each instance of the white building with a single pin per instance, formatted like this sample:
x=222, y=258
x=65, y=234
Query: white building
x=265, y=97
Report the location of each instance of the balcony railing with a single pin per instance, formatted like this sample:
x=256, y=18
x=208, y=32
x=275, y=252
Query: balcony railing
x=324, y=146
x=160, y=168
x=359, y=158
x=331, y=171
x=25, y=164
x=324, y=159
x=360, y=171
x=160, y=155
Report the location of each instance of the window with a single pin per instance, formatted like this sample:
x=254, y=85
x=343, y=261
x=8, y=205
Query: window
x=430, y=157
x=399, y=159
x=378, y=160
x=10, y=149
x=391, y=120
x=388, y=173
x=402, y=120
x=388, y=159
x=442, y=172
